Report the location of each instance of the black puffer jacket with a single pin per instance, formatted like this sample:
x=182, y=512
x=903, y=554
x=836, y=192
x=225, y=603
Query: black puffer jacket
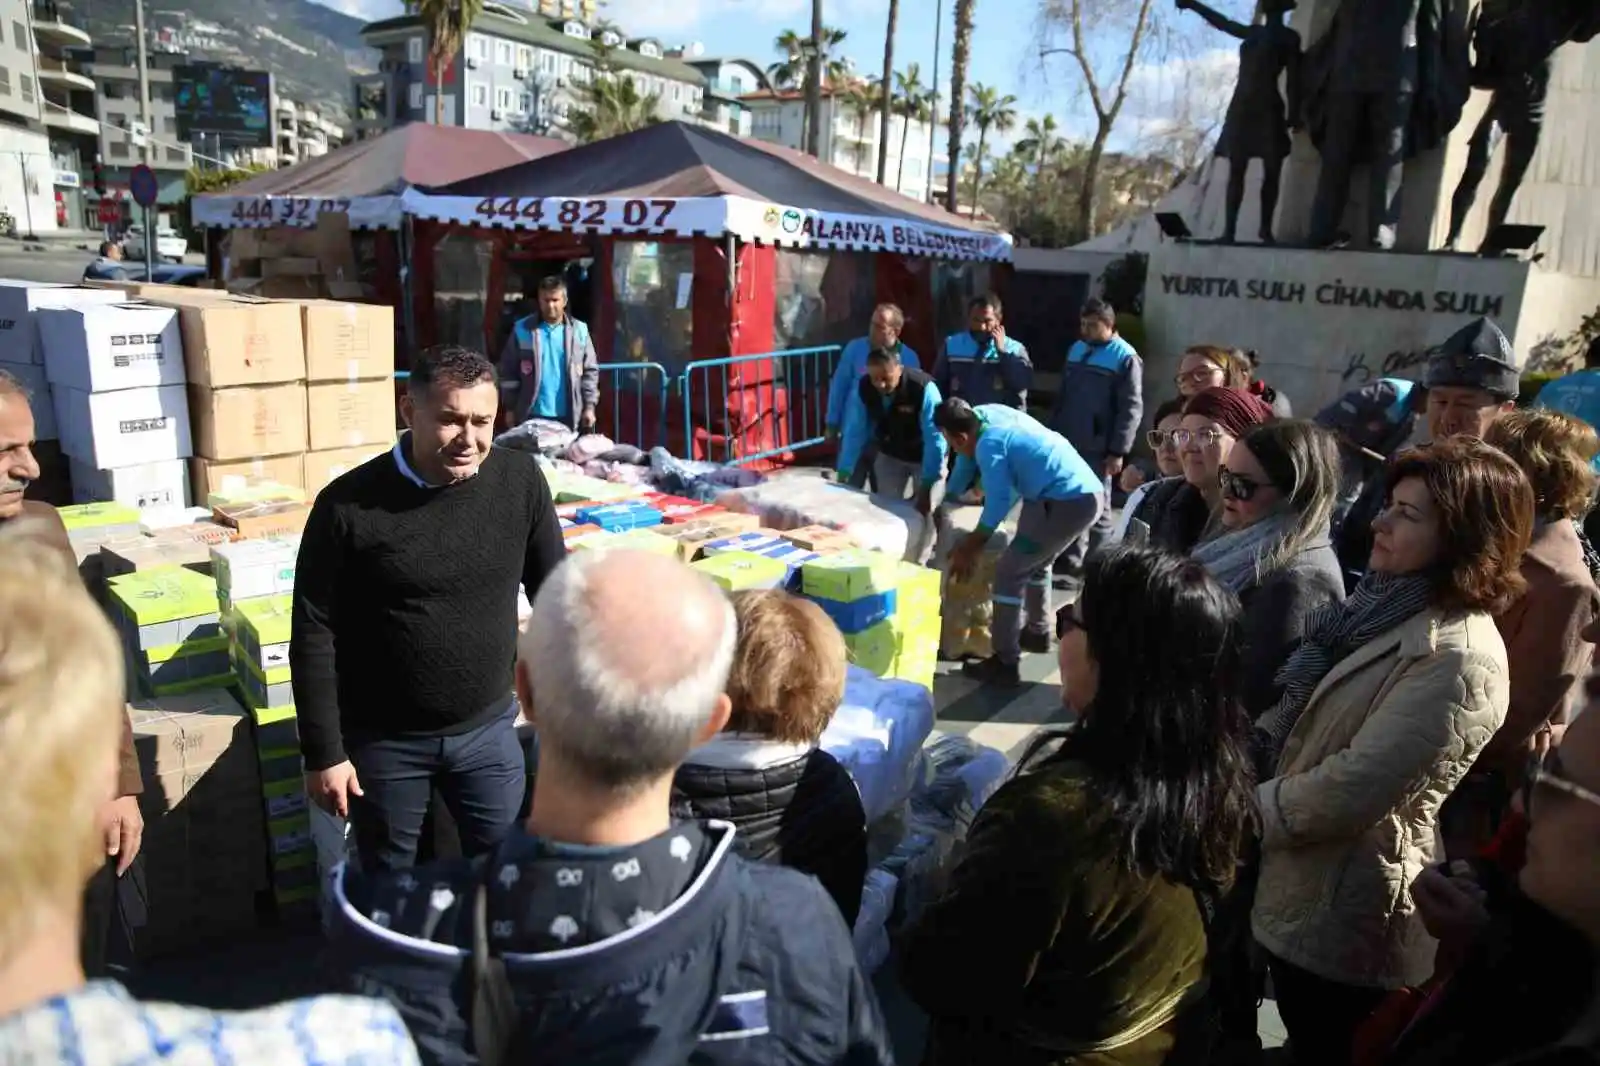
x=1176, y=514
x=804, y=813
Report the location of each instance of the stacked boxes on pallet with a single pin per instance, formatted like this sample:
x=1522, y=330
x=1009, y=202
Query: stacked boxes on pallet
x=171, y=630
x=887, y=609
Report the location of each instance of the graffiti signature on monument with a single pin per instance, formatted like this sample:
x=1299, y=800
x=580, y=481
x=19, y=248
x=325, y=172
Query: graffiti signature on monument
x=1335, y=293
x=1358, y=371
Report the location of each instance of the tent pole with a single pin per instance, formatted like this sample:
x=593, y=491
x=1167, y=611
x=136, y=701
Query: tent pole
x=732, y=253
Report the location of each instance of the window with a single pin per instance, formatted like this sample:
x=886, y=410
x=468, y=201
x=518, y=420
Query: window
x=651, y=49
x=5, y=81
x=114, y=90
x=414, y=49
x=524, y=58
x=414, y=96
x=119, y=149
x=169, y=124
x=525, y=105
x=677, y=93
x=502, y=53
x=609, y=39
x=502, y=99
x=576, y=29
x=19, y=35
x=478, y=47
x=478, y=94
x=25, y=83
x=175, y=155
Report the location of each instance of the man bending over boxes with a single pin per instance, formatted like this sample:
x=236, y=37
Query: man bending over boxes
x=889, y=424
x=1019, y=460
x=405, y=620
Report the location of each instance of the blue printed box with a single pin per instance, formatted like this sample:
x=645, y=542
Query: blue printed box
x=620, y=517
x=858, y=615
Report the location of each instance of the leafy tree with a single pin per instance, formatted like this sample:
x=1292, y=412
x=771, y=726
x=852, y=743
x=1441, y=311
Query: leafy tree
x=610, y=103
x=197, y=182
x=861, y=103
x=447, y=23
x=989, y=110
x=913, y=103
x=1041, y=144
x=790, y=72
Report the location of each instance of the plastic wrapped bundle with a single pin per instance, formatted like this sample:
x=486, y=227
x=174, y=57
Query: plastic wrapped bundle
x=871, y=933
x=697, y=480
x=877, y=735
x=588, y=447
x=543, y=435
x=966, y=607
x=964, y=775
x=875, y=522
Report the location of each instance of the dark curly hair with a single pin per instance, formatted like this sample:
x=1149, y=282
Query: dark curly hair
x=1485, y=506
x=450, y=365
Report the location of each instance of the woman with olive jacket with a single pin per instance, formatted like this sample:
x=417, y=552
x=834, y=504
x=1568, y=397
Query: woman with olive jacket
x=1386, y=704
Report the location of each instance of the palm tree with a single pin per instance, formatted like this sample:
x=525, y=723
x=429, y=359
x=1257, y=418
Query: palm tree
x=912, y=105
x=610, y=104
x=791, y=72
x=861, y=102
x=1040, y=143
x=885, y=104
x=961, y=55
x=989, y=110
x=447, y=23
x=814, y=75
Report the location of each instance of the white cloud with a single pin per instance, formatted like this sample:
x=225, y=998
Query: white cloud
x=365, y=9
x=680, y=19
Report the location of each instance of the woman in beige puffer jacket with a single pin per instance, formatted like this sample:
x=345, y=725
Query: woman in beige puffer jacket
x=1386, y=705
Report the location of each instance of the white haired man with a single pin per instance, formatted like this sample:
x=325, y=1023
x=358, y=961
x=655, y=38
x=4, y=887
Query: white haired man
x=60, y=700
x=608, y=934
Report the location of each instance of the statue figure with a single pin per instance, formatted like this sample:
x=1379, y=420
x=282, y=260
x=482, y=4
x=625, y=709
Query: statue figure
x=1385, y=83
x=1516, y=44
x=1258, y=124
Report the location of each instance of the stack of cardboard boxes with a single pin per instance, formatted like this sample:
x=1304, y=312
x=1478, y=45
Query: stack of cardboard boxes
x=349, y=387
x=286, y=262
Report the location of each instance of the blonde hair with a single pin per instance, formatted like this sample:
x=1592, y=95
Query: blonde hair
x=788, y=668
x=61, y=689
x=1235, y=371
x=1556, y=451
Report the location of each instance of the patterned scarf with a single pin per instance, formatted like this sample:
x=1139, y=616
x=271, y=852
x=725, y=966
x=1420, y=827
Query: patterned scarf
x=1379, y=603
x=1234, y=558
x=1591, y=558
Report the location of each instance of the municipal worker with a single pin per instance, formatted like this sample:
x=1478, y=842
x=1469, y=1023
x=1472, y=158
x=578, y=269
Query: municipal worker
x=1061, y=496
x=1098, y=407
x=548, y=368
x=1577, y=394
x=983, y=365
x=884, y=332
x=889, y=424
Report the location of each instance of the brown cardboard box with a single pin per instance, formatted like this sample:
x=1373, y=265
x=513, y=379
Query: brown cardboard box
x=246, y=422
x=287, y=266
x=346, y=341
x=270, y=518
x=151, y=290
x=154, y=552
x=322, y=467
x=693, y=536
x=237, y=340
x=818, y=539
x=572, y=532
x=188, y=732
x=350, y=414
x=289, y=288
x=210, y=475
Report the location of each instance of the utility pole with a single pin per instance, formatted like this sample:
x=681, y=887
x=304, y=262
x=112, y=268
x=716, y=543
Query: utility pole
x=933, y=126
x=144, y=82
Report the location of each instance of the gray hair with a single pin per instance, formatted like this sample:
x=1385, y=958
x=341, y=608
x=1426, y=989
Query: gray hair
x=897, y=316
x=1301, y=459
x=626, y=654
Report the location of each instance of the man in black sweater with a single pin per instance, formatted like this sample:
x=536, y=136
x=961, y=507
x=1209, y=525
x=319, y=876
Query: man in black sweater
x=405, y=620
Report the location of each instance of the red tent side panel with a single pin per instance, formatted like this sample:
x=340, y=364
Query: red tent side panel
x=907, y=282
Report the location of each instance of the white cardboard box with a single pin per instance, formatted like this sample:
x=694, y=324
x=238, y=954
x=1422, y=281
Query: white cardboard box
x=246, y=569
x=160, y=485
x=105, y=347
x=32, y=379
x=130, y=427
x=19, y=334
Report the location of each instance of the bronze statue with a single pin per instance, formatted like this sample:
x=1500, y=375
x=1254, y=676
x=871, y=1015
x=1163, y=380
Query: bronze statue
x=1258, y=124
x=1516, y=44
x=1386, y=82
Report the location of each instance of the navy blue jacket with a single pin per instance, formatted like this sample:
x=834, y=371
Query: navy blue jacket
x=752, y=964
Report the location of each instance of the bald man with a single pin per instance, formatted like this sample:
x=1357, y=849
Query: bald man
x=651, y=937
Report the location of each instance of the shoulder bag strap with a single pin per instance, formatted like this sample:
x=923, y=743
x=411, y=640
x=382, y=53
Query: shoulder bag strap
x=494, y=1008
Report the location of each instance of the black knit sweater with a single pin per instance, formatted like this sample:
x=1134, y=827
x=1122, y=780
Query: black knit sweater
x=405, y=600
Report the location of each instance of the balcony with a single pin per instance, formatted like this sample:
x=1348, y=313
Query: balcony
x=56, y=72
x=48, y=26
x=59, y=118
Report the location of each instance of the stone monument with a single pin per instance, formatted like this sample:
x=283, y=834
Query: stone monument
x=1258, y=121
x=1516, y=43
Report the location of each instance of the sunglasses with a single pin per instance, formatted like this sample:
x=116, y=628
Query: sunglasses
x=1237, y=486
x=1547, y=773
x=1066, y=621
x=1206, y=438
x=1160, y=438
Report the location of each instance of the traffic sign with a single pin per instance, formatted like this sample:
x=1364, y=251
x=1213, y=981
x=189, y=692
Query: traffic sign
x=142, y=183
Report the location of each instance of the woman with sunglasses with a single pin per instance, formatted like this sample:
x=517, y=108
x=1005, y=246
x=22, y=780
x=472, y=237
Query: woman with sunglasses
x=1073, y=931
x=1134, y=480
x=1278, y=490
x=1180, y=513
x=1386, y=703
x=1205, y=366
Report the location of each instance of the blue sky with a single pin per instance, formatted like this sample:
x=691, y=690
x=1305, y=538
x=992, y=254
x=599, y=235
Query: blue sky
x=1004, y=48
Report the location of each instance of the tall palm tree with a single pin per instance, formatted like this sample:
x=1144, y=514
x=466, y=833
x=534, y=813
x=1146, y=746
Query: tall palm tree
x=961, y=55
x=861, y=104
x=611, y=106
x=885, y=104
x=989, y=110
x=814, y=75
x=912, y=105
x=447, y=23
x=790, y=72
x=1041, y=142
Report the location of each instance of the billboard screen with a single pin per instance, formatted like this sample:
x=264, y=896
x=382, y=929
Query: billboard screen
x=230, y=104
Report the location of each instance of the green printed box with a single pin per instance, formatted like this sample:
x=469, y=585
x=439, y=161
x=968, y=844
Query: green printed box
x=166, y=605
x=638, y=540
x=284, y=799
x=97, y=521
x=918, y=587
x=270, y=690
x=739, y=571
x=261, y=627
x=174, y=664
x=290, y=840
x=850, y=575
x=183, y=688
x=874, y=649
x=281, y=764
x=276, y=727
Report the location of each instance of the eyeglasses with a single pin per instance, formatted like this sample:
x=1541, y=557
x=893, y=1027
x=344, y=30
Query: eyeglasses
x=1160, y=438
x=1206, y=438
x=1197, y=376
x=1237, y=486
x=1067, y=621
x=1547, y=773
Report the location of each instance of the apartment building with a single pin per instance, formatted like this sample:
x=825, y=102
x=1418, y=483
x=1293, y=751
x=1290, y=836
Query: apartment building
x=67, y=110
x=517, y=71
x=849, y=140
x=728, y=82
x=300, y=132
x=113, y=67
x=38, y=168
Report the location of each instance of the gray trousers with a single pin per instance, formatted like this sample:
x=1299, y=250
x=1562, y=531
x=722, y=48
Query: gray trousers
x=1092, y=541
x=1022, y=574
x=897, y=479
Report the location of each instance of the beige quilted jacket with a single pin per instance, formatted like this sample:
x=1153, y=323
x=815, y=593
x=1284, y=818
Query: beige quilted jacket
x=1350, y=819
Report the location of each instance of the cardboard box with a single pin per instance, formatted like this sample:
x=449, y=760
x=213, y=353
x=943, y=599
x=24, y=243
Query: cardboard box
x=249, y=569
x=739, y=571
x=350, y=414
x=321, y=468
x=34, y=382
x=819, y=539
x=130, y=557
x=245, y=422
x=166, y=606
x=276, y=518
x=130, y=427
x=101, y=348
x=164, y=484
x=19, y=333
x=289, y=266
x=235, y=496
x=207, y=476
x=286, y=289
x=236, y=340
x=347, y=341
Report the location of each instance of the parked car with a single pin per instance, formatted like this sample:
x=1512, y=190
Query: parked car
x=171, y=246
x=175, y=274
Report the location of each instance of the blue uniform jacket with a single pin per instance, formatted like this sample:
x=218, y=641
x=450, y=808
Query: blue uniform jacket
x=1020, y=459
x=987, y=375
x=1577, y=395
x=858, y=432
x=1100, y=401
x=852, y=364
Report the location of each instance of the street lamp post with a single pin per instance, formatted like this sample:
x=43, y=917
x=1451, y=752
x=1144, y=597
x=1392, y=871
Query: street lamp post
x=933, y=126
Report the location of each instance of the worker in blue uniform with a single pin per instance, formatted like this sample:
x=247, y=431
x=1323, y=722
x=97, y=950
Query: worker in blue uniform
x=983, y=365
x=548, y=367
x=883, y=332
x=1578, y=393
x=1019, y=460
x=889, y=426
x=1098, y=407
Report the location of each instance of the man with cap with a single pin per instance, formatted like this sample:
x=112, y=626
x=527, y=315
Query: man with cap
x=1472, y=378
x=888, y=425
x=1019, y=460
